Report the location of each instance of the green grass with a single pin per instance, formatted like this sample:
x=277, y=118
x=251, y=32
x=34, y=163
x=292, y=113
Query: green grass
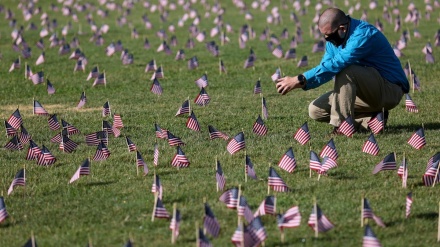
x=114, y=204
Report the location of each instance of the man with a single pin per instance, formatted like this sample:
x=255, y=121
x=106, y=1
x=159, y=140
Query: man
x=368, y=76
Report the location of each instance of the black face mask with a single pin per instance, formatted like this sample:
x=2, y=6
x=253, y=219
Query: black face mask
x=335, y=39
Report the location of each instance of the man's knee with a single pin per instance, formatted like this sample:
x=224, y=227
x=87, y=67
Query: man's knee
x=314, y=111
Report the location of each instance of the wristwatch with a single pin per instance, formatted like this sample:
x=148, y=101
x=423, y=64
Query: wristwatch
x=302, y=79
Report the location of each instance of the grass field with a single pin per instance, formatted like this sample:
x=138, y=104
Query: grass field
x=114, y=204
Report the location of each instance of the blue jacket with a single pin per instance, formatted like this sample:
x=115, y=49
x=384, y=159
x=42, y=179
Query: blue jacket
x=365, y=46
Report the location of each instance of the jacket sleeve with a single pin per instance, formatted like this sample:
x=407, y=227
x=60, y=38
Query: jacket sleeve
x=359, y=45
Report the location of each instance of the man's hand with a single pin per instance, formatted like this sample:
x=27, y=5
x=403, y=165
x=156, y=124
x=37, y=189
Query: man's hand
x=286, y=84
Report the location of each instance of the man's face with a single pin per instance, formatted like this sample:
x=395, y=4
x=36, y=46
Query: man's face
x=335, y=36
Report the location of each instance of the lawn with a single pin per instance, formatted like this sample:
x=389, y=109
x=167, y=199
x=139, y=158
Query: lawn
x=115, y=203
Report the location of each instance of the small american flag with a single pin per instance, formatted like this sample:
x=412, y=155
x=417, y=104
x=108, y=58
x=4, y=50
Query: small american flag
x=250, y=168
x=139, y=160
x=347, y=126
x=158, y=74
x=3, y=212
x=14, y=144
x=130, y=145
x=160, y=133
x=290, y=219
x=302, y=135
x=160, y=211
x=290, y=54
x=220, y=177
x=95, y=138
x=410, y=105
x=174, y=140
x=277, y=75
x=53, y=122
x=25, y=137
x=249, y=62
x=222, y=67
x=102, y=152
x=193, y=63
x=156, y=155
x=156, y=88
x=82, y=100
x=38, y=109
x=431, y=175
x=64, y=49
x=146, y=44
x=377, y=123
x=19, y=180
x=117, y=121
x=278, y=52
x=94, y=73
x=40, y=44
x=40, y=59
x=175, y=223
x=15, y=119
x=75, y=54
x=49, y=87
x=180, y=55
x=67, y=145
x=184, y=109
x=369, y=239
x=10, y=131
x=315, y=163
x=210, y=223
x=214, y=133
x=106, y=109
x=230, y=198
x=15, y=65
x=318, y=47
x=107, y=127
x=259, y=128
x=192, y=122
x=266, y=207
x=45, y=158
x=257, y=231
x=275, y=181
x=37, y=78
x=202, y=98
x=257, y=87
x=79, y=65
x=100, y=80
x=202, y=240
x=329, y=150
x=157, y=186
x=409, y=202
x=303, y=62
x=318, y=221
x=33, y=151
x=83, y=170
x=71, y=130
x=288, y=162
x=264, y=108
x=28, y=72
x=202, y=82
x=388, y=163
x=371, y=146
x=243, y=209
x=236, y=144
x=327, y=164
x=179, y=159
x=367, y=213
x=417, y=139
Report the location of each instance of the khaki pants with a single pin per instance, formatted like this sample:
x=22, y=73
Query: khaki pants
x=360, y=92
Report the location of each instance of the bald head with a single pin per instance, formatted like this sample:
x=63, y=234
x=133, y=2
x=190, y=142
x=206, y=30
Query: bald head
x=332, y=18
